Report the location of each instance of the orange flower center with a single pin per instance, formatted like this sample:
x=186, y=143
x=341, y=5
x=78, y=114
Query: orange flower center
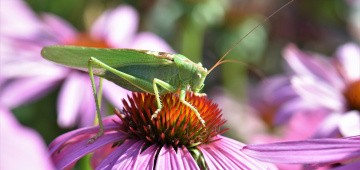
x=352, y=95
x=176, y=124
x=87, y=41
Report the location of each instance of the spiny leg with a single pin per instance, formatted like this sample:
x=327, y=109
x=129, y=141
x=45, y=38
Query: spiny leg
x=97, y=102
x=167, y=87
x=182, y=100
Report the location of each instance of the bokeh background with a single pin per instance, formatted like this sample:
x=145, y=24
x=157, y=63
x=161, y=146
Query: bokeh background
x=204, y=30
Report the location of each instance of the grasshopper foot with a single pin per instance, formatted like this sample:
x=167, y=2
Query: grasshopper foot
x=200, y=94
x=99, y=134
x=153, y=116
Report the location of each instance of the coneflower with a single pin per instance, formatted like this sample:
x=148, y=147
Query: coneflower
x=176, y=139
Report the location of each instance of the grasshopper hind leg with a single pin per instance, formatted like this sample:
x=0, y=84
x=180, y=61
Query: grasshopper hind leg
x=97, y=98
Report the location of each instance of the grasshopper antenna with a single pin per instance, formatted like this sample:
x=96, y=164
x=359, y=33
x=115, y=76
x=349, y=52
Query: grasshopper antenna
x=221, y=60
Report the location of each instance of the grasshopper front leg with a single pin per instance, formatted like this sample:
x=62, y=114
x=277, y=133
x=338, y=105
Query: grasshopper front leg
x=167, y=87
x=182, y=100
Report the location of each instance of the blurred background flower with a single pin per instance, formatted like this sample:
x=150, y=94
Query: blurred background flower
x=20, y=146
x=116, y=28
x=34, y=90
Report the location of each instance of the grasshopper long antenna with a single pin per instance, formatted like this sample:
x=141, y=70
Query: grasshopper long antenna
x=221, y=60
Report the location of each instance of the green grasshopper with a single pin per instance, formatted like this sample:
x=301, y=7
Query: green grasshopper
x=135, y=70
x=140, y=70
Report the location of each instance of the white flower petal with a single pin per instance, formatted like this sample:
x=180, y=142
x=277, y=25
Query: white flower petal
x=349, y=124
x=349, y=56
x=318, y=92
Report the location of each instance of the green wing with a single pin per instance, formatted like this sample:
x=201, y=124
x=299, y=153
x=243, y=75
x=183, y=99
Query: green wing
x=77, y=57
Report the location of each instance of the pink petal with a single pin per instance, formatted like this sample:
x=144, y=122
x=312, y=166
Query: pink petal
x=149, y=41
x=87, y=107
x=303, y=125
x=117, y=26
x=19, y=19
x=109, y=125
x=21, y=148
x=70, y=153
x=19, y=67
x=61, y=30
x=123, y=157
x=168, y=159
x=146, y=159
x=70, y=98
x=188, y=161
x=312, y=151
x=26, y=90
x=349, y=57
x=114, y=93
x=312, y=90
x=313, y=66
x=349, y=124
x=292, y=106
x=279, y=85
x=225, y=154
x=329, y=126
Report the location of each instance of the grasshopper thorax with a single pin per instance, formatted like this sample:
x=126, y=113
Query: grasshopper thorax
x=190, y=73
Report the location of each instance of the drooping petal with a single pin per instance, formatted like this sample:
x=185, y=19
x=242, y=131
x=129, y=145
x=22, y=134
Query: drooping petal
x=225, y=154
x=168, y=159
x=318, y=92
x=188, y=160
x=292, y=106
x=114, y=93
x=150, y=41
x=349, y=57
x=69, y=154
x=109, y=125
x=61, y=30
x=123, y=157
x=117, y=26
x=69, y=99
x=146, y=160
x=349, y=124
x=277, y=90
x=314, y=66
x=16, y=65
x=21, y=148
x=87, y=106
x=304, y=125
x=312, y=151
x=20, y=21
x=329, y=126
x=25, y=90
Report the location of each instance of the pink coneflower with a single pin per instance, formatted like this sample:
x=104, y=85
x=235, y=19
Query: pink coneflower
x=174, y=140
x=326, y=89
x=329, y=84
x=25, y=76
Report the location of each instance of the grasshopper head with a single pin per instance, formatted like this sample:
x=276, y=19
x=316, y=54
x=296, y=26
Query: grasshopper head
x=198, y=82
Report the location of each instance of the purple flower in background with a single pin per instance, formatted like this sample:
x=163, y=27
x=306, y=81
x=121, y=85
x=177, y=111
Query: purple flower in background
x=342, y=152
x=25, y=76
x=174, y=140
x=324, y=89
x=21, y=148
x=332, y=85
